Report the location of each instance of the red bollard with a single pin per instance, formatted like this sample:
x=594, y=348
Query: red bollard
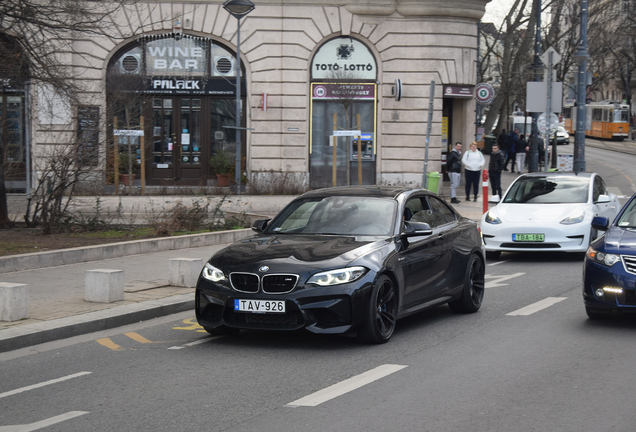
x=484, y=177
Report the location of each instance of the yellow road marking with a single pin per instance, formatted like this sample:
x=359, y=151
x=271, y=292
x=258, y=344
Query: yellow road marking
x=109, y=344
x=193, y=325
x=138, y=338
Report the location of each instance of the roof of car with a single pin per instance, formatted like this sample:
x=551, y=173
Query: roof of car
x=376, y=191
x=558, y=174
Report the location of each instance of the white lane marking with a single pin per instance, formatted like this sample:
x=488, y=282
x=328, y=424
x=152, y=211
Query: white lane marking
x=536, y=307
x=43, y=423
x=500, y=278
x=197, y=342
x=34, y=386
x=346, y=386
x=496, y=263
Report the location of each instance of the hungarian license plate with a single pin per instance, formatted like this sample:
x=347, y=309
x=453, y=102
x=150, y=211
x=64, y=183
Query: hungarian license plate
x=259, y=306
x=528, y=237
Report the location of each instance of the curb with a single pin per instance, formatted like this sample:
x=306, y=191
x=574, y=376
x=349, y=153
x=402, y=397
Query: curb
x=63, y=328
x=37, y=260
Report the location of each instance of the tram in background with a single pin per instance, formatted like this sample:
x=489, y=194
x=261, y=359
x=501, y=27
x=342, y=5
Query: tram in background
x=606, y=120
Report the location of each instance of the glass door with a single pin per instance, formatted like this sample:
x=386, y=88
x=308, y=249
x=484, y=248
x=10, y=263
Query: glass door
x=177, y=139
x=12, y=140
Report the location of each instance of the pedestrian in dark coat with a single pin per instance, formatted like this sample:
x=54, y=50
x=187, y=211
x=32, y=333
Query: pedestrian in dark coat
x=502, y=142
x=495, y=166
x=511, y=156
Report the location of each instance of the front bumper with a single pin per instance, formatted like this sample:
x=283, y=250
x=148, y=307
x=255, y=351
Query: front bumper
x=566, y=239
x=597, y=276
x=329, y=310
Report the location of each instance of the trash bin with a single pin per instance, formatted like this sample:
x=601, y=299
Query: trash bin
x=433, y=181
x=489, y=141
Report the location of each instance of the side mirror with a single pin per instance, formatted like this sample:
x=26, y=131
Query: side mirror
x=603, y=199
x=260, y=225
x=600, y=223
x=413, y=229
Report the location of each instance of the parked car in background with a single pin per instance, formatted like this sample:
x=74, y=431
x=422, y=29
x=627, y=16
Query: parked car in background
x=563, y=137
x=548, y=211
x=609, y=272
x=345, y=260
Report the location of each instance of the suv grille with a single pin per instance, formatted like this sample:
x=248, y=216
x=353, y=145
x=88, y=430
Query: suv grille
x=279, y=284
x=244, y=282
x=629, y=261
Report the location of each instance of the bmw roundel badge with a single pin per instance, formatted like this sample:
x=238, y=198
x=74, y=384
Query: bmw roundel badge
x=263, y=269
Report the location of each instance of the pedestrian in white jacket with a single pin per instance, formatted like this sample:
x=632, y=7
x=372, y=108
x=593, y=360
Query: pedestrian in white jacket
x=473, y=162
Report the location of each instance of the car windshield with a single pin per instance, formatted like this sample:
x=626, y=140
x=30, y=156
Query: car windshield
x=628, y=218
x=549, y=190
x=337, y=215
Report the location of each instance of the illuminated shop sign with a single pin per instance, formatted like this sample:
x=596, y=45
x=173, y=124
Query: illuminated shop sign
x=214, y=87
x=344, y=58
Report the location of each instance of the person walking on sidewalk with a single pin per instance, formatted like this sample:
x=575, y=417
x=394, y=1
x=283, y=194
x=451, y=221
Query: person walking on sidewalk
x=502, y=142
x=513, y=140
x=473, y=162
x=521, y=149
x=454, y=166
x=495, y=166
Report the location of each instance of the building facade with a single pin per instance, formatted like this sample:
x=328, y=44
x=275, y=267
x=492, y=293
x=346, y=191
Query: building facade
x=163, y=88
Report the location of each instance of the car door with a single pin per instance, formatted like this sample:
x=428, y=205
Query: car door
x=425, y=259
x=607, y=209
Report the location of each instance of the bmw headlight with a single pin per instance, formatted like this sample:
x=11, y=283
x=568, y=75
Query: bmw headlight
x=337, y=277
x=492, y=219
x=602, y=257
x=573, y=220
x=212, y=273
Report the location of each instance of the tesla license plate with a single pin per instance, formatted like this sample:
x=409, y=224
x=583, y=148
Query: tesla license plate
x=528, y=237
x=259, y=306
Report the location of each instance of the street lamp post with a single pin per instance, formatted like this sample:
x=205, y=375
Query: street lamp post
x=238, y=9
x=581, y=56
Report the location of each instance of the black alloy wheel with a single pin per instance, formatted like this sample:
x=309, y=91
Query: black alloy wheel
x=474, y=286
x=382, y=312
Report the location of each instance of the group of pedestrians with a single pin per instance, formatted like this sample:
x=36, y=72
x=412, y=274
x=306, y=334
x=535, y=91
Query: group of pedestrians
x=510, y=148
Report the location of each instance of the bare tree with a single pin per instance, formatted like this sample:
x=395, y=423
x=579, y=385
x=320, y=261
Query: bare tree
x=35, y=36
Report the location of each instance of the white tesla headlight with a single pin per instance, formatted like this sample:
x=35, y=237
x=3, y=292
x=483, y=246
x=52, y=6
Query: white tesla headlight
x=212, y=273
x=573, y=220
x=492, y=219
x=336, y=277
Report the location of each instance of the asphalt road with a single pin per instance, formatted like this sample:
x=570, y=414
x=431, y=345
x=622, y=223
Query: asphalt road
x=528, y=360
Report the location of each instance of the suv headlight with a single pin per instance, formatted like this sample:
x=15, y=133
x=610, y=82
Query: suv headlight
x=337, y=277
x=212, y=273
x=602, y=257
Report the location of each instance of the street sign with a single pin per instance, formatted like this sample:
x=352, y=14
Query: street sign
x=542, y=123
x=484, y=93
x=556, y=57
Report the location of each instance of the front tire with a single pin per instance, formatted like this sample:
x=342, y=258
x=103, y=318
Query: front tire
x=474, y=286
x=381, y=313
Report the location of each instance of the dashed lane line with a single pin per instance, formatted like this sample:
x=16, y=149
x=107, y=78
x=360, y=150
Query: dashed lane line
x=43, y=384
x=43, y=423
x=536, y=307
x=346, y=386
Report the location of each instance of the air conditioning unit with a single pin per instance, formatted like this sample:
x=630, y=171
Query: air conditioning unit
x=223, y=66
x=130, y=64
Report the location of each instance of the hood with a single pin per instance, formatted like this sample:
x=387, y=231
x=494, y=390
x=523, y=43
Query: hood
x=620, y=241
x=288, y=251
x=537, y=213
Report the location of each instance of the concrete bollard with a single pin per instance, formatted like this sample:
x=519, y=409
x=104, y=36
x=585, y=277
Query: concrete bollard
x=184, y=272
x=104, y=285
x=14, y=301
